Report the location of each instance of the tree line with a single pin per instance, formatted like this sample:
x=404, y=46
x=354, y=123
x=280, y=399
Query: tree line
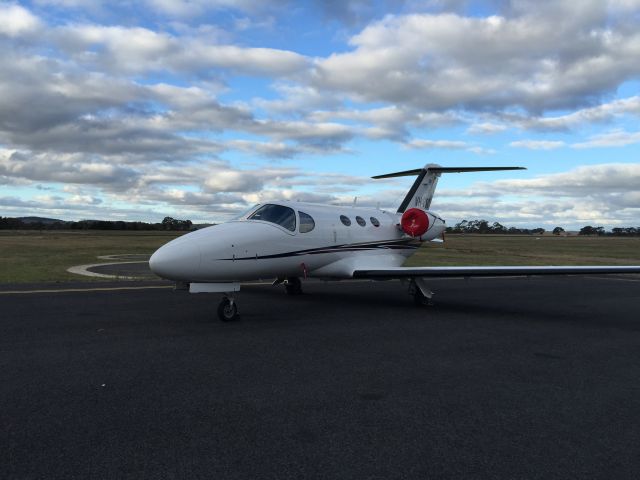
x=34, y=223
x=483, y=226
x=172, y=224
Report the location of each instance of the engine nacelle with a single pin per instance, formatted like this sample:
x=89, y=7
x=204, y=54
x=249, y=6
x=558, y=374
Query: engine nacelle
x=414, y=222
x=420, y=223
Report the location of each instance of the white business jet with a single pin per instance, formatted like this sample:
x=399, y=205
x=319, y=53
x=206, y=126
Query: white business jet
x=290, y=240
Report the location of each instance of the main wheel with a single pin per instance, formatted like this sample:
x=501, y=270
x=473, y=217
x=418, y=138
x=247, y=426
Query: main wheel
x=420, y=300
x=227, y=311
x=293, y=286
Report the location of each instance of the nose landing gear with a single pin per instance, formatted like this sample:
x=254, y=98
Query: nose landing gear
x=228, y=309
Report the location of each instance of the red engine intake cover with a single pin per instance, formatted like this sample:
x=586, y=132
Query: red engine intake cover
x=414, y=222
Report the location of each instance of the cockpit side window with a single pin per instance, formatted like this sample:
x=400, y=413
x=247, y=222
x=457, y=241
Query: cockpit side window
x=279, y=214
x=306, y=222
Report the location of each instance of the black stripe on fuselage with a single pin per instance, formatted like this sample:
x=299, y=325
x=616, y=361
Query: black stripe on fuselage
x=402, y=244
x=414, y=188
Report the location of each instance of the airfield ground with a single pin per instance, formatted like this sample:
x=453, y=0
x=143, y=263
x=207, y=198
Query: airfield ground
x=502, y=378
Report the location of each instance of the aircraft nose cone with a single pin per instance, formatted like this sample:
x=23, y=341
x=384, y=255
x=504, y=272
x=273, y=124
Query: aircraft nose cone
x=176, y=261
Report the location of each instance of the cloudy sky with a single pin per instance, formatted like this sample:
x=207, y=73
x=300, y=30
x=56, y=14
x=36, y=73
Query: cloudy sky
x=198, y=109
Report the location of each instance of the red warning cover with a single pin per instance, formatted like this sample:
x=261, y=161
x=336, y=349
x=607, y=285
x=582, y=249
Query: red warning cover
x=414, y=222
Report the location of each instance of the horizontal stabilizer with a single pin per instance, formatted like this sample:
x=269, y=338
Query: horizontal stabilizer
x=416, y=171
x=424, y=186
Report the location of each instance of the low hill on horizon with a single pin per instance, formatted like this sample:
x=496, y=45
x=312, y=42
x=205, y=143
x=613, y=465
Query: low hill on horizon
x=42, y=220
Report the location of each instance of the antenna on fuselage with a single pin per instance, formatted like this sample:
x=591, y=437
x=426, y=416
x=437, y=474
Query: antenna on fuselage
x=355, y=200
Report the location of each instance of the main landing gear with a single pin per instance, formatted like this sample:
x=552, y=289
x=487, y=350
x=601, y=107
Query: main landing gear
x=421, y=294
x=293, y=286
x=228, y=309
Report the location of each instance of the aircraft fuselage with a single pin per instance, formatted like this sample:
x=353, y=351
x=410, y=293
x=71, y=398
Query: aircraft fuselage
x=290, y=239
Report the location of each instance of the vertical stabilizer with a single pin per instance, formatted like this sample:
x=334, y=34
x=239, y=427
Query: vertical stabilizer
x=421, y=192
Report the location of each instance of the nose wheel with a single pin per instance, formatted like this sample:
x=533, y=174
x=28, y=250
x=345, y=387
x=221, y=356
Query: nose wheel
x=228, y=309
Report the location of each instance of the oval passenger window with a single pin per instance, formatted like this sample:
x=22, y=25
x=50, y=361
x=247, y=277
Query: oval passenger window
x=306, y=222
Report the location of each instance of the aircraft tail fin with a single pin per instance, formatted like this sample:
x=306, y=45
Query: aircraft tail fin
x=421, y=193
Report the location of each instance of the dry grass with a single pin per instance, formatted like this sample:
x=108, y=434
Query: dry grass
x=27, y=256
x=528, y=250
x=31, y=256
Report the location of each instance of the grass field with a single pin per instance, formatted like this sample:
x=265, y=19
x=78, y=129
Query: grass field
x=34, y=256
x=28, y=256
x=528, y=250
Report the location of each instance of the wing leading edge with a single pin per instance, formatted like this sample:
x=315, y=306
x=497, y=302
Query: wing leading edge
x=491, y=271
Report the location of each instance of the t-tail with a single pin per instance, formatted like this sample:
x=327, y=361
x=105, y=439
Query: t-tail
x=421, y=193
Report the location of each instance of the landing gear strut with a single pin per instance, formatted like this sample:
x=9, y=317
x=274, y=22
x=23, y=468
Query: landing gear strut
x=421, y=294
x=228, y=309
x=293, y=286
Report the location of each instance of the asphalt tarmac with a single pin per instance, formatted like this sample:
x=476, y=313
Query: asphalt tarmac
x=502, y=378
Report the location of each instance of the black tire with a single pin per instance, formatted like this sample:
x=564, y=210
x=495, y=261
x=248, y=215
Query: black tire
x=420, y=300
x=293, y=286
x=227, y=311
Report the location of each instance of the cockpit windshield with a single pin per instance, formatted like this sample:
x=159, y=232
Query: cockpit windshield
x=278, y=214
x=244, y=213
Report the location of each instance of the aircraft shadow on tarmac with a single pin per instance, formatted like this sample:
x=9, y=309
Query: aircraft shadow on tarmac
x=588, y=302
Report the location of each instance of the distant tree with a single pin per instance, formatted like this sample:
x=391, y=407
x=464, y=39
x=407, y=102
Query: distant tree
x=589, y=230
x=558, y=230
x=624, y=232
x=460, y=227
x=173, y=224
x=10, y=223
x=472, y=226
x=167, y=223
x=498, y=228
x=483, y=226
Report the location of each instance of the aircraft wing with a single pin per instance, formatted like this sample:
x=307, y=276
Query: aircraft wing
x=492, y=271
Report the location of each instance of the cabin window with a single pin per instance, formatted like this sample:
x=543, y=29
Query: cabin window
x=374, y=222
x=344, y=219
x=361, y=221
x=278, y=214
x=306, y=222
